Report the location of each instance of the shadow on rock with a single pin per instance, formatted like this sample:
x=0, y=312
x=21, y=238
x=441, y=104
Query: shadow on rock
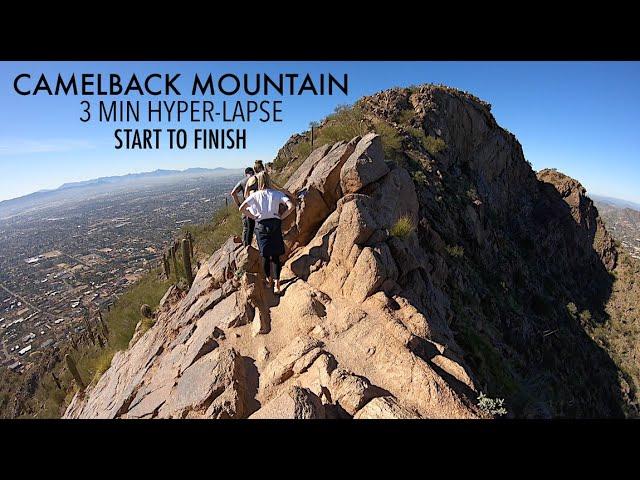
x=252, y=377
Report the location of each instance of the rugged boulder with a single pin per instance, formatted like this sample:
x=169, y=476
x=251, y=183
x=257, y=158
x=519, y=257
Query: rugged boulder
x=585, y=215
x=294, y=403
x=384, y=408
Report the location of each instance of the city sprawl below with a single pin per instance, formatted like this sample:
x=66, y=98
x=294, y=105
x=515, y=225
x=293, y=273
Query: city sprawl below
x=72, y=253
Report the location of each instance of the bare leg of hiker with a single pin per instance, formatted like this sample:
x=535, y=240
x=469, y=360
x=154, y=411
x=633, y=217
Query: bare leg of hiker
x=278, y=267
x=266, y=264
x=248, y=226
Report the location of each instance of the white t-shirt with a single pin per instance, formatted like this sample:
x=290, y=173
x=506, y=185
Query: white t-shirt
x=265, y=204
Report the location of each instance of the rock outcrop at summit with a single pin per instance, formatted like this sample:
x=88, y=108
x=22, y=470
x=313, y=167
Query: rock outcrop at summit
x=585, y=214
x=376, y=323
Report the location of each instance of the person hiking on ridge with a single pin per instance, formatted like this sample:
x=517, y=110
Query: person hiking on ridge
x=248, y=224
x=252, y=185
x=263, y=205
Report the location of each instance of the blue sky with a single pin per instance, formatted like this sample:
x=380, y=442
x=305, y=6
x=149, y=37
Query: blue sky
x=580, y=117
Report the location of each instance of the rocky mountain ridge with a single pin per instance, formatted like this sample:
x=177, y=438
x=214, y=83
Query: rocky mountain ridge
x=382, y=322
x=335, y=345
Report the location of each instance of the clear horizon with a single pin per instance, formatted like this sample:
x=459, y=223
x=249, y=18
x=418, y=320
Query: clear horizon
x=578, y=117
x=229, y=168
x=123, y=175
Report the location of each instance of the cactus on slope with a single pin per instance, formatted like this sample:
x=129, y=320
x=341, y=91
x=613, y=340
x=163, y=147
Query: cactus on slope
x=165, y=264
x=73, y=370
x=56, y=380
x=103, y=324
x=89, y=330
x=186, y=257
x=172, y=252
x=145, y=311
x=191, y=242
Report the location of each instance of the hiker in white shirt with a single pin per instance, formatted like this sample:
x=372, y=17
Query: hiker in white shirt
x=263, y=206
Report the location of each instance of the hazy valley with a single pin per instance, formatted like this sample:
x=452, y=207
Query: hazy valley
x=623, y=222
x=71, y=252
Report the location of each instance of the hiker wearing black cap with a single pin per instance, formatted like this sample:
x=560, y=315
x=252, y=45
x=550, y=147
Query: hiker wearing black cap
x=248, y=224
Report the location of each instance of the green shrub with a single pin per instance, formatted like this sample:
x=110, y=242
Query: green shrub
x=486, y=359
x=472, y=194
x=303, y=150
x=208, y=237
x=125, y=314
x=431, y=144
x=391, y=139
x=572, y=309
x=585, y=316
x=455, y=251
x=419, y=178
x=344, y=123
x=239, y=273
x=434, y=145
x=492, y=406
x=403, y=227
x=418, y=134
x=103, y=362
x=146, y=324
x=406, y=116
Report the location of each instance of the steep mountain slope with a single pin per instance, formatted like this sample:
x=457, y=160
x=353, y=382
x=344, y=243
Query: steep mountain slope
x=524, y=265
x=330, y=345
x=492, y=288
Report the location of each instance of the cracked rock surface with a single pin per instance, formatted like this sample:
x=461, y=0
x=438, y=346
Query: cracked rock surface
x=331, y=340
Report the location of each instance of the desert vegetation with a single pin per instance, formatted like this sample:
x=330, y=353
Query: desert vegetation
x=402, y=228
x=345, y=123
x=210, y=236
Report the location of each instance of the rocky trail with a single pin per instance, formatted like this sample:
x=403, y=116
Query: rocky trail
x=344, y=340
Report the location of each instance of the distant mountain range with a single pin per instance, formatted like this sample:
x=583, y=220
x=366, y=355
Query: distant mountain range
x=617, y=202
x=132, y=177
x=36, y=199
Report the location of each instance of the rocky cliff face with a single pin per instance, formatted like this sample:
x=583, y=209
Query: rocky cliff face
x=380, y=322
x=345, y=332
